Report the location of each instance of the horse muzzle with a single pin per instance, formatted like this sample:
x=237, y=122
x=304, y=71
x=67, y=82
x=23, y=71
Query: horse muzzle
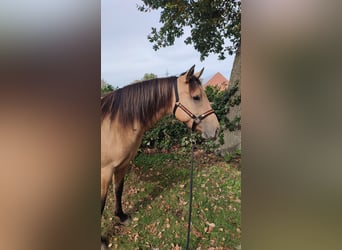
x=210, y=134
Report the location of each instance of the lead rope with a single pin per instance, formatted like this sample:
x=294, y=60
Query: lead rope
x=190, y=193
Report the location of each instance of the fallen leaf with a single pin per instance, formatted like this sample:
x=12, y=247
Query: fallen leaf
x=175, y=247
x=210, y=227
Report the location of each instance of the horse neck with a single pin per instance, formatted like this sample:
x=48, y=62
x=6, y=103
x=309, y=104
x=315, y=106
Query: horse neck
x=158, y=116
x=162, y=112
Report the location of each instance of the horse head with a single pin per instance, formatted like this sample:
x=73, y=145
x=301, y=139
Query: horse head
x=192, y=105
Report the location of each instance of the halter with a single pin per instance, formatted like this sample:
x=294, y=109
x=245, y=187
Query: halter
x=197, y=119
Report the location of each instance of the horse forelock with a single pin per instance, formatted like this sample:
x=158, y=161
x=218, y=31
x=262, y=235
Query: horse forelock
x=138, y=102
x=194, y=82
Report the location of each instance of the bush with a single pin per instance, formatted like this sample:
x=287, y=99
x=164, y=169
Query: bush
x=221, y=101
x=167, y=133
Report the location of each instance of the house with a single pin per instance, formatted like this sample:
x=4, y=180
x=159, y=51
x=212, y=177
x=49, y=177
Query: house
x=217, y=80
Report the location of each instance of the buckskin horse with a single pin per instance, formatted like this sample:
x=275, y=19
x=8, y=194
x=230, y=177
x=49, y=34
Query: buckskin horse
x=127, y=113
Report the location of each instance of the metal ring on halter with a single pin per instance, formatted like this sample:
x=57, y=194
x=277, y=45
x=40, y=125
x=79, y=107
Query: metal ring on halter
x=198, y=119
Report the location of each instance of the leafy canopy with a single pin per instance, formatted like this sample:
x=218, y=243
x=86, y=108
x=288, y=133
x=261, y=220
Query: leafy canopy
x=212, y=23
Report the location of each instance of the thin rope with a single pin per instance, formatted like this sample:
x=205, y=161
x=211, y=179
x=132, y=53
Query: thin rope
x=190, y=193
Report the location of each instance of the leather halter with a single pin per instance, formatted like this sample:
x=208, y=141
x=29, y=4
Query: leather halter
x=197, y=119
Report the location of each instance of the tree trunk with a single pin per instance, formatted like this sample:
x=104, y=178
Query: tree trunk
x=232, y=139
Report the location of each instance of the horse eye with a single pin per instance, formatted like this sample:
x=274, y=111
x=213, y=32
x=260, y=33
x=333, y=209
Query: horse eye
x=196, y=98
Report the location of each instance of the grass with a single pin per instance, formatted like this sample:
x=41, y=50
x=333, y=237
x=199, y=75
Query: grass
x=156, y=195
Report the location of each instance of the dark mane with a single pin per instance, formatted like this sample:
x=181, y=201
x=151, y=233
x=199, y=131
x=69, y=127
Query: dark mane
x=139, y=102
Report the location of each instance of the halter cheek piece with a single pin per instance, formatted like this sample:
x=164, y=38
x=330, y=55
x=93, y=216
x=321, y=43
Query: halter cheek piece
x=197, y=119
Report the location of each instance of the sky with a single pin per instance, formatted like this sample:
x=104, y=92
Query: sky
x=126, y=53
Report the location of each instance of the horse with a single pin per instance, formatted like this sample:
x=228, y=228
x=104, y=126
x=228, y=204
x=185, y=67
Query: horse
x=127, y=113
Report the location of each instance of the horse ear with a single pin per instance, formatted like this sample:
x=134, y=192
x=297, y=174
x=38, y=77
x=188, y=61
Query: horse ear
x=198, y=74
x=190, y=73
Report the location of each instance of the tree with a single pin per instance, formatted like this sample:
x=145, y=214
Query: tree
x=212, y=24
x=149, y=76
x=214, y=28
x=106, y=87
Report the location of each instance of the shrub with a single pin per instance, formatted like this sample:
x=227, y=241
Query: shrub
x=167, y=133
x=221, y=101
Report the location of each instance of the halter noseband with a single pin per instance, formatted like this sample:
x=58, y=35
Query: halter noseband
x=197, y=119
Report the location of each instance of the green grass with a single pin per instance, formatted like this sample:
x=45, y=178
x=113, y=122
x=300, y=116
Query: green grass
x=156, y=195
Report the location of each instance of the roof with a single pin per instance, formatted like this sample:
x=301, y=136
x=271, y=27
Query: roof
x=218, y=80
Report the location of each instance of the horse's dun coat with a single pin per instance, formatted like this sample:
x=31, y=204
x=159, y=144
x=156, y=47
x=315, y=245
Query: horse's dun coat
x=128, y=112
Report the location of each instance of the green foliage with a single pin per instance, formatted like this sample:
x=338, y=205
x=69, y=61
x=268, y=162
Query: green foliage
x=212, y=23
x=149, y=76
x=229, y=156
x=167, y=133
x=106, y=87
x=221, y=101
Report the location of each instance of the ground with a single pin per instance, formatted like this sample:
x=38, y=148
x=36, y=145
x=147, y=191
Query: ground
x=156, y=195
